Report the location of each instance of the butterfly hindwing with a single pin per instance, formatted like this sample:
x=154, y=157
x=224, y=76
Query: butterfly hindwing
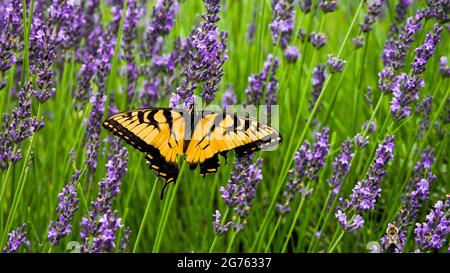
x=221, y=132
x=158, y=132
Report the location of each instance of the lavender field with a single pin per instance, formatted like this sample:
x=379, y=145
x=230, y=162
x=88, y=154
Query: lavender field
x=362, y=90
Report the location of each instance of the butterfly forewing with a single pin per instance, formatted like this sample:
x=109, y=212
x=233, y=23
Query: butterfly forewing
x=157, y=132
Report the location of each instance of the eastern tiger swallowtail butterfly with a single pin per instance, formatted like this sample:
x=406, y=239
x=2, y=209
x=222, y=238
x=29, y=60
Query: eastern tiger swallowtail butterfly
x=163, y=134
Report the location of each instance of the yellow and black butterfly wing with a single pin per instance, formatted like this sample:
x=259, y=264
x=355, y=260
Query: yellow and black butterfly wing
x=218, y=133
x=158, y=132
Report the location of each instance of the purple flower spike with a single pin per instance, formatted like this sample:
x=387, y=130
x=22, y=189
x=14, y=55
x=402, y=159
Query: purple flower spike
x=328, y=5
x=366, y=192
x=240, y=191
x=373, y=11
x=132, y=15
x=67, y=206
x=432, y=233
x=206, y=55
x=318, y=80
x=406, y=91
x=396, y=48
x=218, y=228
x=318, y=40
x=291, y=53
x=308, y=161
x=17, y=127
x=341, y=166
x=305, y=5
x=401, y=10
x=125, y=240
x=10, y=29
x=334, y=64
x=350, y=226
x=263, y=82
x=17, y=238
x=417, y=192
x=386, y=80
x=283, y=21
x=98, y=229
x=444, y=69
x=42, y=51
x=426, y=51
x=358, y=42
x=229, y=97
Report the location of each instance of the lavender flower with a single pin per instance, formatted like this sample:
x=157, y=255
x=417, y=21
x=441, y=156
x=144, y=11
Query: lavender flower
x=374, y=9
x=161, y=22
x=366, y=192
x=68, y=21
x=283, y=20
x=426, y=51
x=229, y=97
x=308, y=162
x=305, y=5
x=417, y=192
x=328, y=5
x=10, y=29
x=218, y=227
x=98, y=229
x=125, y=240
x=240, y=191
x=207, y=54
x=132, y=15
x=406, y=91
x=67, y=206
x=361, y=141
x=318, y=40
x=42, y=50
x=353, y=225
x=17, y=238
x=444, y=69
x=341, y=166
x=386, y=80
x=291, y=54
x=103, y=64
x=432, y=233
x=358, y=42
x=396, y=48
x=17, y=127
x=155, y=64
x=93, y=130
x=318, y=80
x=264, y=81
x=401, y=9
x=370, y=128
x=335, y=65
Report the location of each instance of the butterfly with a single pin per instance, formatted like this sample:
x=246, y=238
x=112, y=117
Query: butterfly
x=164, y=134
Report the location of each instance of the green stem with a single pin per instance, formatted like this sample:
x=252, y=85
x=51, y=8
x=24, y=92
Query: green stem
x=144, y=219
x=272, y=236
x=294, y=222
x=165, y=216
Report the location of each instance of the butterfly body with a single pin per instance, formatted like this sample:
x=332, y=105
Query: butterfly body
x=164, y=134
